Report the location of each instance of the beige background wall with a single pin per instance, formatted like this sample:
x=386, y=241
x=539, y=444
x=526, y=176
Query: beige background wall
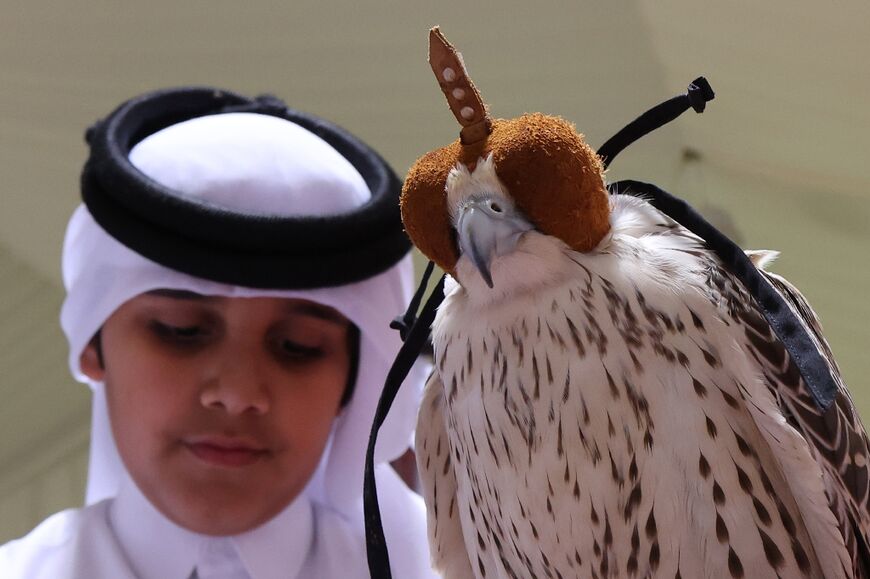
x=785, y=148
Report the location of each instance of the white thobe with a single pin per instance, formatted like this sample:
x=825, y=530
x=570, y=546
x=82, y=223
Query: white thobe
x=127, y=538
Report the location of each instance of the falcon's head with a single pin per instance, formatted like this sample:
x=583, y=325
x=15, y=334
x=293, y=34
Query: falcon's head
x=471, y=204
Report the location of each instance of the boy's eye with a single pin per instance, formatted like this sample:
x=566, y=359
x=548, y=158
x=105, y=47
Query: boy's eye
x=298, y=351
x=178, y=333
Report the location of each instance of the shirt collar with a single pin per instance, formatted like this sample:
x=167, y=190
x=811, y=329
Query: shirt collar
x=278, y=548
x=157, y=548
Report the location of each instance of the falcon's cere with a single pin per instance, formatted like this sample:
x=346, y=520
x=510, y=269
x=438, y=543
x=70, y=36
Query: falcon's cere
x=608, y=399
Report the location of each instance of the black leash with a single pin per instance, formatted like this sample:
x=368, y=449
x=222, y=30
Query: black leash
x=376, y=545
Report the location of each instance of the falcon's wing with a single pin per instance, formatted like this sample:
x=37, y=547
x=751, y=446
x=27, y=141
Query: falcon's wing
x=446, y=542
x=837, y=438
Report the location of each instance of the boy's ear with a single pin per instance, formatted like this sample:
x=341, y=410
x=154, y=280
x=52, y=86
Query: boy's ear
x=91, y=360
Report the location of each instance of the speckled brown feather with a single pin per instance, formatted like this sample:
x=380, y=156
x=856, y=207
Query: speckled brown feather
x=601, y=429
x=838, y=437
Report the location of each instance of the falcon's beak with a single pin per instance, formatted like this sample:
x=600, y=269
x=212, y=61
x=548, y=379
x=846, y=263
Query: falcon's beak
x=488, y=228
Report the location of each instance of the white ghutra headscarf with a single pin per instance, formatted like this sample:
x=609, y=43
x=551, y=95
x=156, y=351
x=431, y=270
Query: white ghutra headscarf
x=262, y=165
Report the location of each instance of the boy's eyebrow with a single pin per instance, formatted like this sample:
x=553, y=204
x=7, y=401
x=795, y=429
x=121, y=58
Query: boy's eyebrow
x=303, y=307
x=180, y=294
x=318, y=311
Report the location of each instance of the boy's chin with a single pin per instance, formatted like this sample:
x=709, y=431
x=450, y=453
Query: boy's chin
x=217, y=512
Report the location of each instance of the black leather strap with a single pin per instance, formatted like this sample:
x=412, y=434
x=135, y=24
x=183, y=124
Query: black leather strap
x=785, y=323
x=376, y=545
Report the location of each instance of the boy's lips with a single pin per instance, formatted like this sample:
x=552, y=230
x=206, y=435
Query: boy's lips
x=226, y=451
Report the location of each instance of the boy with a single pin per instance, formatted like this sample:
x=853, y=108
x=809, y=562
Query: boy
x=230, y=283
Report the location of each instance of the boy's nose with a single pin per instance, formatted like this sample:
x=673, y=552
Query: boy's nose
x=236, y=388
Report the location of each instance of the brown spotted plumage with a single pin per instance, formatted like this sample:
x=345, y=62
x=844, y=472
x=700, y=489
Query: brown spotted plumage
x=711, y=463
x=618, y=407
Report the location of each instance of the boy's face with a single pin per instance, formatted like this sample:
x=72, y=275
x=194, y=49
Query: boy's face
x=221, y=407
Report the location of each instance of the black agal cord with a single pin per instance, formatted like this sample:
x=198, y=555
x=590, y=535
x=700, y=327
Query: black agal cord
x=216, y=243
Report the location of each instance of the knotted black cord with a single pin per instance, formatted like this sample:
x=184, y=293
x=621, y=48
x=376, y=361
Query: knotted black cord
x=376, y=545
x=696, y=97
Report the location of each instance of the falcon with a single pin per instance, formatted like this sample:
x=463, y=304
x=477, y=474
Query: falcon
x=609, y=399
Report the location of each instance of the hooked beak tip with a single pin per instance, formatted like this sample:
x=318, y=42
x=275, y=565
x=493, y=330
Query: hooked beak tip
x=481, y=263
x=487, y=277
